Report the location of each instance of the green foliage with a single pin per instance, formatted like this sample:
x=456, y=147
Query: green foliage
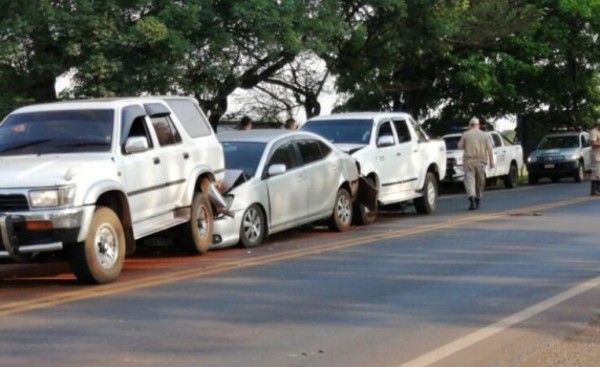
x=458, y=57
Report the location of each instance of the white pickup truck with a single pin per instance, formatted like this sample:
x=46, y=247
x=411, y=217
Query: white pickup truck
x=89, y=178
x=398, y=161
x=508, y=160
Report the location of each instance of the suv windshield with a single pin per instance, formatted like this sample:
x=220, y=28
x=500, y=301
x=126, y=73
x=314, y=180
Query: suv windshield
x=341, y=131
x=69, y=131
x=243, y=155
x=559, y=142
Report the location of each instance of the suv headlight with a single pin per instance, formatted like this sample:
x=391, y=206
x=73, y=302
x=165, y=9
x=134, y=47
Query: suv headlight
x=49, y=198
x=532, y=159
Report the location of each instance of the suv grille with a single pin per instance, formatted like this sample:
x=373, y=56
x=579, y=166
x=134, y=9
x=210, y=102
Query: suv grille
x=13, y=202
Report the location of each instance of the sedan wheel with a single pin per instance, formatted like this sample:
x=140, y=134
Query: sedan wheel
x=253, y=228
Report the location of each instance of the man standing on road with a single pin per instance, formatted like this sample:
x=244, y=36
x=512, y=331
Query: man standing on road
x=595, y=155
x=477, y=154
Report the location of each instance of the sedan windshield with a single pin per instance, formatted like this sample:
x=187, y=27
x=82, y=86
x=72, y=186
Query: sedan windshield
x=342, y=131
x=559, y=142
x=243, y=155
x=76, y=131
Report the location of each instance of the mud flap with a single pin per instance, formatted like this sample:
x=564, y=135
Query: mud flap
x=367, y=194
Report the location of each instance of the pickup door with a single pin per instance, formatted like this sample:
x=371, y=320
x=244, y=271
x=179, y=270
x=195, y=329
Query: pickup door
x=501, y=155
x=410, y=157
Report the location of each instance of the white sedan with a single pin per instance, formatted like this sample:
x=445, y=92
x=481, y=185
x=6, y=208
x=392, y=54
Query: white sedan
x=280, y=179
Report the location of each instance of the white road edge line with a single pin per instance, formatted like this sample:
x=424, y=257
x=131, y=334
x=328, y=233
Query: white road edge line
x=479, y=335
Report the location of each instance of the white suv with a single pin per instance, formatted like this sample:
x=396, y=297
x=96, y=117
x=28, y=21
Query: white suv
x=88, y=178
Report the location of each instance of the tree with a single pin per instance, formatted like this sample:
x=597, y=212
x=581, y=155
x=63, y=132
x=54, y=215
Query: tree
x=415, y=55
x=295, y=88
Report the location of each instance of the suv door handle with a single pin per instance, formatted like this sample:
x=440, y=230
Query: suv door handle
x=156, y=160
x=186, y=155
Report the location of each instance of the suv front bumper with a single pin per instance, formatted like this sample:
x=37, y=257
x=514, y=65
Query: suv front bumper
x=552, y=168
x=20, y=238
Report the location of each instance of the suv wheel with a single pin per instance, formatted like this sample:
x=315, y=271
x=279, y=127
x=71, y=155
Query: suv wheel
x=199, y=232
x=99, y=259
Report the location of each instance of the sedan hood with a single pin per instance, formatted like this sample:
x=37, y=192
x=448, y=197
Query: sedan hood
x=233, y=178
x=48, y=170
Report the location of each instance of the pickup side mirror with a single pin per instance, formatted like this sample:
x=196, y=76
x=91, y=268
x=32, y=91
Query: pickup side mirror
x=385, y=141
x=276, y=170
x=136, y=144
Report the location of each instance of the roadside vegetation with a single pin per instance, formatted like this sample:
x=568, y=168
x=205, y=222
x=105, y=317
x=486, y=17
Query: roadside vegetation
x=537, y=59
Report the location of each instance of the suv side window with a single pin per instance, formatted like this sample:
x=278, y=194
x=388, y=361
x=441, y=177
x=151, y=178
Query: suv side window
x=402, y=131
x=191, y=117
x=165, y=130
x=134, y=125
x=309, y=150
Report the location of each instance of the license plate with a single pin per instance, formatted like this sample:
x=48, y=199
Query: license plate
x=550, y=165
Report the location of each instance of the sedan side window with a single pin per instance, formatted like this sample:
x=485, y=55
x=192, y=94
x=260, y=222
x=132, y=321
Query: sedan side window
x=309, y=151
x=284, y=154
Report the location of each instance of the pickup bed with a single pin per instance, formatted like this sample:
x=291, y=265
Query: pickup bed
x=508, y=159
x=398, y=162
x=86, y=179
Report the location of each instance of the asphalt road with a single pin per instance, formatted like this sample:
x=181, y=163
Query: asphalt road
x=501, y=286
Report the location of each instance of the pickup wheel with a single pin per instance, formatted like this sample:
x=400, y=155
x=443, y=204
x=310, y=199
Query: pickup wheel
x=427, y=203
x=199, y=232
x=510, y=180
x=578, y=174
x=361, y=215
x=341, y=219
x=253, y=228
x=99, y=259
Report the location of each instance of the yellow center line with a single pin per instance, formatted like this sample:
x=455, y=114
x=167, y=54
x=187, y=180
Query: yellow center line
x=17, y=307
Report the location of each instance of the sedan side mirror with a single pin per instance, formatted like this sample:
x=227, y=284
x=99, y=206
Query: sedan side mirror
x=385, y=141
x=276, y=169
x=136, y=144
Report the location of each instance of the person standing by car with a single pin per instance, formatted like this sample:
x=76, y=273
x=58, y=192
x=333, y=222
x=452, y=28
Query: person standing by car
x=478, y=153
x=595, y=155
x=246, y=123
x=290, y=124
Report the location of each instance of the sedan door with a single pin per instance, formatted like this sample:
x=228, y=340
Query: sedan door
x=322, y=169
x=287, y=191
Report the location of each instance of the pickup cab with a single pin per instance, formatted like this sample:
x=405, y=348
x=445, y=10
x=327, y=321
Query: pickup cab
x=398, y=162
x=86, y=179
x=508, y=160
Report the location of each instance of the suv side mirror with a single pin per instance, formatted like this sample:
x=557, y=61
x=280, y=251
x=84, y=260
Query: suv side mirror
x=136, y=144
x=385, y=141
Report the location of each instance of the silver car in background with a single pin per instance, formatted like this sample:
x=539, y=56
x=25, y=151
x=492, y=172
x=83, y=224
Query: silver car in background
x=280, y=179
x=564, y=154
